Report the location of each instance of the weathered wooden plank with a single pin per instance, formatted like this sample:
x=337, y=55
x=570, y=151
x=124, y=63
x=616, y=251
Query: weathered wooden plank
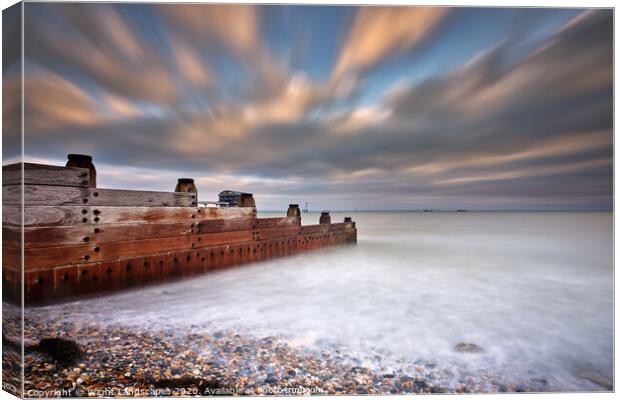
x=11, y=256
x=79, y=243
x=76, y=215
x=45, y=216
x=41, y=174
x=43, y=195
x=311, y=229
x=262, y=223
x=272, y=233
x=126, y=215
x=224, y=225
x=338, y=226
x=63, y=255
x=87, y=234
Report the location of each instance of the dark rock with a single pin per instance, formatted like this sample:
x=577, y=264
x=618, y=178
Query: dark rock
x=271, y=379
x=63, y=351
x=467, y=348
x=420, y=384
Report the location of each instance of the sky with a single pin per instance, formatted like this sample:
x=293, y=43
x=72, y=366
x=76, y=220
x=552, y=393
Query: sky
x=343, y=107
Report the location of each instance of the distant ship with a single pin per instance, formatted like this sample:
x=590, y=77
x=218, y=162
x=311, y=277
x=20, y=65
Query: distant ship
x=461, y=210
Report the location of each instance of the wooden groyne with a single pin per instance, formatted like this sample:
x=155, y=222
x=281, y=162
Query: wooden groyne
x=79, y=239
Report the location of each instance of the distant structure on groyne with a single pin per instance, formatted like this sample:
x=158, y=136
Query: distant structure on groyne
x=78, y=239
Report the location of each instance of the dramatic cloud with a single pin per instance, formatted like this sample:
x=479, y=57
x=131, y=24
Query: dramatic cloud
x=393, y=108
x=381, y=31
x=234, y=26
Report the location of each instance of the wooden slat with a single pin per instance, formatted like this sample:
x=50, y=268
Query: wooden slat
x=75, y=215
x=85, y=234
x=224, y=225
x=314, y=228
x=338, y=226
x=59, y=195
x=11, y=256
x=64, y=255
x=11, y=215
x=41, y=174
x=272, y=233
x=126, y=215
x=262, y=223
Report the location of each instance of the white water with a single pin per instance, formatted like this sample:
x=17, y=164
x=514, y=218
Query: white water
x=534, y=290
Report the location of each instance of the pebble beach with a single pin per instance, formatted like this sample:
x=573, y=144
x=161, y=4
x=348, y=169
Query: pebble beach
x=122, y=361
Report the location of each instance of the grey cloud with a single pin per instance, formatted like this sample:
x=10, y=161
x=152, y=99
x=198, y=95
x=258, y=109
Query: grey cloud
x=492, y=106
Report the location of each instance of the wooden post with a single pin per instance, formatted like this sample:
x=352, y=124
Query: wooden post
x=247, y=200
x=84, y=161
x=293, y=211
x=325, y=218
x=186, y=185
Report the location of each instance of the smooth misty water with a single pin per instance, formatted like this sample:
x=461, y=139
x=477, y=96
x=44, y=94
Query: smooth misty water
x=534, y=290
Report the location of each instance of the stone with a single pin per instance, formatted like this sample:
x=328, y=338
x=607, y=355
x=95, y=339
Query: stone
x=61, y=350
x=467, y=348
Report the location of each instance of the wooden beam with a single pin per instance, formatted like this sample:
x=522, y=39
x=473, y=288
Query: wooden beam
x=76, y=215
x=262, y=223
x=43, y=195
x=86, y=234
x=41, y=174
x=272, y=233
x=79, y=254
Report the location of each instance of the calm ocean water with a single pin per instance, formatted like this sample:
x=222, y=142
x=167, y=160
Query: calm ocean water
x=534, y=290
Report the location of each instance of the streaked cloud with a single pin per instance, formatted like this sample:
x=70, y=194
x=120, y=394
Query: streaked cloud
x=426, y=104
x=379, y=32
x=235, y=26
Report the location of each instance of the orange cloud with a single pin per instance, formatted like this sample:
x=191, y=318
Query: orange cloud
x=190, y=65
x=52, y=101
x=235, y=25
x=380, y=31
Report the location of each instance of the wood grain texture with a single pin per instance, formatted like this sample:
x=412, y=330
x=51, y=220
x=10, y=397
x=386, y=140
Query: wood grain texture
x=46, y=216
x=77, y=215
x=79, y=254
x=314, y=228
x=43, y=195
x=85, y=234
x=272, y=233
x=40, y=174
x=276, y=222
x=126, y=215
